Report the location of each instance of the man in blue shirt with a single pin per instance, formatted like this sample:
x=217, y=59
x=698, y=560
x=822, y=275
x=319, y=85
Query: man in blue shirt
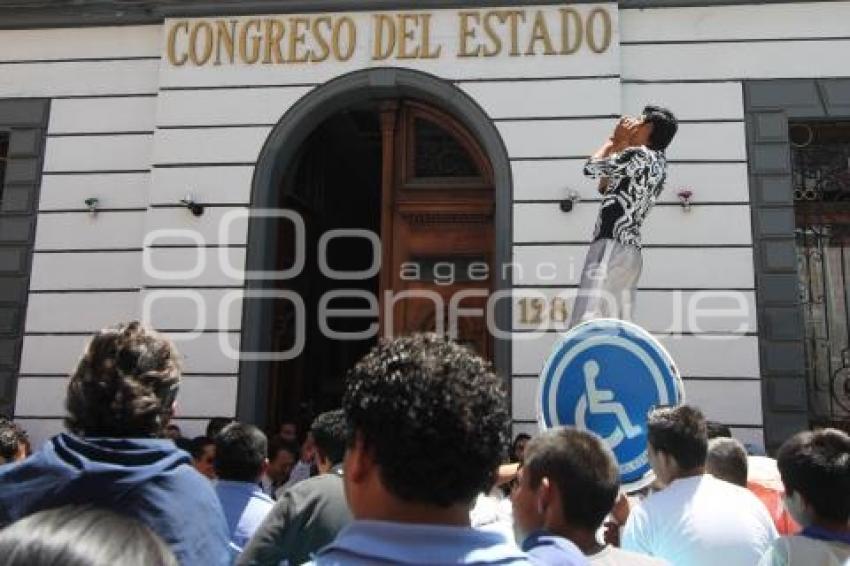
x=427, y=422
x=543, y=502
x=567, y=486
x=308, y=515
x=240, y=459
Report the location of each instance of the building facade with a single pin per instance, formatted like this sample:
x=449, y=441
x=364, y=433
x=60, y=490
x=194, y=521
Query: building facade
x=216, y=170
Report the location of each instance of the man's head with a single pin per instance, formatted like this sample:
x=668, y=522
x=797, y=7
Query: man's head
x=727, y=460
x=568, y=482
x=428, y=422
x=241, y=453
x=203, y=455
x=518, y=447
x=677, y=442
x=657, y=128
x=173, y=432
x=308, y=449
x=184, y=444
x=13, y=442
x=124, y=385
x=288, y=431
x=815, y=469
x=82, y=535
x=716, y=429
x=329, y=432
x=216, y=425
x=282, y=458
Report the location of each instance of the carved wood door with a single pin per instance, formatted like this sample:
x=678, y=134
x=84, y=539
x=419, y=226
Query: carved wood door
x=436, y=226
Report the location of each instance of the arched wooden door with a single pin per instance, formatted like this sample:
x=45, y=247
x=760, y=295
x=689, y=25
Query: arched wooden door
x=436, y=226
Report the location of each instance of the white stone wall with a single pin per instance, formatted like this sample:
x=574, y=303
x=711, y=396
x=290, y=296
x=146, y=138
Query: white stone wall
x=137, y=133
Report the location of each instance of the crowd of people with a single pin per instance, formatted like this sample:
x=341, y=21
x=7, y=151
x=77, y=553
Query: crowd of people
x=409, y=470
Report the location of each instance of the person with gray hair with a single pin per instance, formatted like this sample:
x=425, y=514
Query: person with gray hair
x=82, y=536
x=727, y=460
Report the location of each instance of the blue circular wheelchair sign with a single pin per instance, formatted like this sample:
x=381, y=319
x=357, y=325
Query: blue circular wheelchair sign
x=604, y=376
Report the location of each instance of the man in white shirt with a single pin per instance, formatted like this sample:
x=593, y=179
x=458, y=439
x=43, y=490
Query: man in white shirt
x=697, y=519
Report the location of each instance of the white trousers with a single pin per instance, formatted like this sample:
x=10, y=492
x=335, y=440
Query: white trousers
x=608, y=282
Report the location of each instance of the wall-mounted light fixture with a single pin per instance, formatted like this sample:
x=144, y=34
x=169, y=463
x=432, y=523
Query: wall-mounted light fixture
x=685, y=196
x=189, y=202
x=91, y=203
x=568, y=203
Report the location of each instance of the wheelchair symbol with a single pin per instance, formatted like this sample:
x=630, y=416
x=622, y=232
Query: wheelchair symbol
x=601, y=401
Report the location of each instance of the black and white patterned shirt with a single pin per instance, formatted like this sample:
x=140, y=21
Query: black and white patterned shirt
x=636, y=178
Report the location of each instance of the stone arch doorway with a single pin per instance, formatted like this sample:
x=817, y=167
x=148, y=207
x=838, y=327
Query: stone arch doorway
x=280, y=157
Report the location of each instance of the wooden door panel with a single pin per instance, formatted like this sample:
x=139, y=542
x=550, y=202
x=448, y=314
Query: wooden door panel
x=436, y=239
x=441, y=224
x=420, y=316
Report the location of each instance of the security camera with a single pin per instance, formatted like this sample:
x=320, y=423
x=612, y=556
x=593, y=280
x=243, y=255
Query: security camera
x=568, y=203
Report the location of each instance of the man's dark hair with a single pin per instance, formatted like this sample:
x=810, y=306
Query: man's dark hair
x=240, y=450
x=82, y=536
x=277, y=444
x=583, y=468
x=716, y=429
x=519, y=438
x=434, y=416
x=184, y=444
x=680, y=432
x=817, y=464
x=124, y=385
x=330, y=433
x=727, y=460
x=10, y=439
x=217, y=424
x=664, y=126
x=198, y=444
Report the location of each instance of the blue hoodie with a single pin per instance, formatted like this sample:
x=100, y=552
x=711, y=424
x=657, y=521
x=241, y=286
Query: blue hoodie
x=145, y=478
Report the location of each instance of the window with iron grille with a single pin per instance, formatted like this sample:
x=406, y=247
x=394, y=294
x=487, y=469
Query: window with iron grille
x=821, y=180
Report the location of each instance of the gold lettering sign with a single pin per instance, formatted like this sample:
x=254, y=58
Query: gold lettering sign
x=200, y=43
x=173, y=58
x=539, y=312
x=601, y=15
x=253, y=55
x=225, y=32
x=310, y=39
x=531, y=310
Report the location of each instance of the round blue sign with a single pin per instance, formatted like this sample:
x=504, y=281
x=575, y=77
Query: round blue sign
x=604, y=376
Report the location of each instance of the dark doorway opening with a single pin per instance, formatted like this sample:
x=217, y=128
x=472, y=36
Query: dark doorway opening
x=278, y=156
x=396, y=199
x=335, y=184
